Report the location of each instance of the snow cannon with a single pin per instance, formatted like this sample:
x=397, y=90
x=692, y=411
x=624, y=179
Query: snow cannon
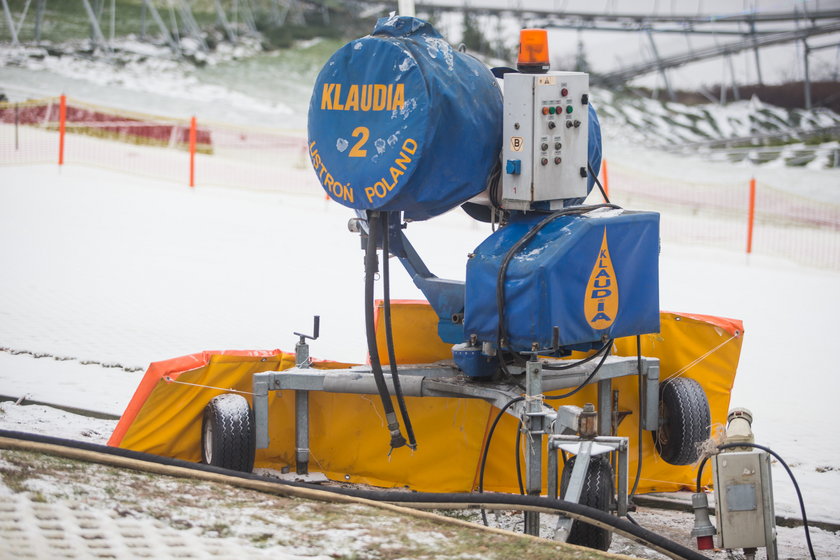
x=401, y=121
x=403, y=127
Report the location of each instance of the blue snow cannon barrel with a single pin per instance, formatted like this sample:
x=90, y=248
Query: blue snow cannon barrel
x=401, y=121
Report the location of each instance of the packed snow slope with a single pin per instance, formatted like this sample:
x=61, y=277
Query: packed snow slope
x=115, y=272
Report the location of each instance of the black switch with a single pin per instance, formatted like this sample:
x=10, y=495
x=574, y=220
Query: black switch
x=584, y=99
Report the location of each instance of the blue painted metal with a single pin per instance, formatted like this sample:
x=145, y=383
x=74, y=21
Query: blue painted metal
x=472, y=362
x=401, y=121
x=445, y=296
x=549, y=279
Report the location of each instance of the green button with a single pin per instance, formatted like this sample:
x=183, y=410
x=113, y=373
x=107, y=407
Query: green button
x=569, y=109
x=551, y=110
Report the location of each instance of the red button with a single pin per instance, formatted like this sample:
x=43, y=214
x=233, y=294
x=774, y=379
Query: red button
x=564, y=92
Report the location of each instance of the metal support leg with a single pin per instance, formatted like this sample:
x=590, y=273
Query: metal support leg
x=623, y=480
x=553, y=471
x=302, y=432
x=605, y=407
x=575, y=487
x=261, y=381
x=533, y=459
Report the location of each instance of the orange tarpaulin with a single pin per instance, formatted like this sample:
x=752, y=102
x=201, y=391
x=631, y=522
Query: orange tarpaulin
x=349, y=440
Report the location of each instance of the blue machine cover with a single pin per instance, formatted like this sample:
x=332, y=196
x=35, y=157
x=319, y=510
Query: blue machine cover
x=401, y=121
x=593, y=276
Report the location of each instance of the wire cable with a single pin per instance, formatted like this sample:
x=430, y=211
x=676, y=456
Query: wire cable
x=586, y=381
x=389, y=335
x=554, y=367
x=639, y=440
x=789, y=472
x=518, y=454
x=597, y=182
x=486, y=449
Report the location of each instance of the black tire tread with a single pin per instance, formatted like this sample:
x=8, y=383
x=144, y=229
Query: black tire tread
x=597, y=493
x=688, y=421
x=234, y=438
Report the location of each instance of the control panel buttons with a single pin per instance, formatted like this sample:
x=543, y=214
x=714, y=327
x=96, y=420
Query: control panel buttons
x=552, y=124
x=544, y=161
x=544, y=146
x=558, y=145
x=557, y=160
x=564, y=92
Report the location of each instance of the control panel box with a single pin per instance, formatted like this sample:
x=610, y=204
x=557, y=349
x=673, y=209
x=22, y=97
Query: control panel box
x=545, y=141
x=744, y=500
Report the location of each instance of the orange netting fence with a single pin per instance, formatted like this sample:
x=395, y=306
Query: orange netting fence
x=743, y=216
x=746, y=216
x=68, y=131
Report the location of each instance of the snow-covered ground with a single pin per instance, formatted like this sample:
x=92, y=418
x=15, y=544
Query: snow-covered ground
x=114, y=272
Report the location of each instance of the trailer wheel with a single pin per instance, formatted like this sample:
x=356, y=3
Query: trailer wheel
x=684, y=421
x=227, y=433
x=597, y=493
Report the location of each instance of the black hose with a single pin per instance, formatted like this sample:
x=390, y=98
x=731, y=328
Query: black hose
x=417, y=499
x=501, y=335
x=597, y=182
x=389, y=336
x=371, y=267
x=790, y=474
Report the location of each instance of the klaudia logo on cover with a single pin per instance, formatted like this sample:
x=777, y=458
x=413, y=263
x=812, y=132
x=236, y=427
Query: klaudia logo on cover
x=600, y=303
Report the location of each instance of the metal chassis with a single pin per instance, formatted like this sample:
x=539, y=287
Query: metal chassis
x=442, y=379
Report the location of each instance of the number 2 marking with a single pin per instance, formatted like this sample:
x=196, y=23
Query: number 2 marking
x=357, y=150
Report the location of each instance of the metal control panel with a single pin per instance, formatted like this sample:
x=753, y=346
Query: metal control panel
x=744, y=501
x=546, y=133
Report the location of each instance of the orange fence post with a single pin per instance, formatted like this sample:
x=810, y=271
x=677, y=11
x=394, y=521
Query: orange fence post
x=751, y=218
x=62, y=119
x=192, y=151
x=606, y=176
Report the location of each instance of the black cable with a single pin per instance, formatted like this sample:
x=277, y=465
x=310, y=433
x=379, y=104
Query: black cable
x=631, y=520
x=371, y=266
x=597, y=182
x=389, y=335
x=501, y=339
x=639, y=441
x=790, y=474
x=585, y=381
x=554, y=367
x=577, y=511
x=517, y=454
x=486, y=449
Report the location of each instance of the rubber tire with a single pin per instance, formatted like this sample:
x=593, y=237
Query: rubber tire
x=227, y=433
x=597, y=493
x=684, y=421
